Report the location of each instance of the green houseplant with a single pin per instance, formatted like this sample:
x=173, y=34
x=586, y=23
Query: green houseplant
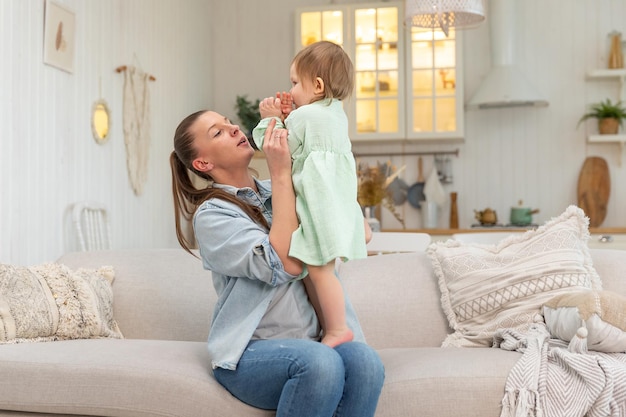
x=248, y=113
x=610, y=116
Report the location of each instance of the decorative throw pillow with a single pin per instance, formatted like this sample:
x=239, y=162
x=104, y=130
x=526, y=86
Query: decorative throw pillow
x=489, y=287
x=51, y=302
x=602, y=313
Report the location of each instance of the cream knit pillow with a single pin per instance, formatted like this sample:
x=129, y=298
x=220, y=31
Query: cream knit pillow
x=488, y=287
x=51, y=302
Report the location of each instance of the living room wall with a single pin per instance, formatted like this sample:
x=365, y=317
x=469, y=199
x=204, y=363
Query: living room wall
x=48, y=158
x=533, y=154
x=203, y=53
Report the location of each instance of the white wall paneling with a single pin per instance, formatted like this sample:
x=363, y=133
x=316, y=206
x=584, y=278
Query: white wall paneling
x=48, y=159
x=206, y=52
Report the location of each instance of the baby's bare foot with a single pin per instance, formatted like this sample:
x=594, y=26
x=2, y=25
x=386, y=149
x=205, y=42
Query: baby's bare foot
x=337, y=337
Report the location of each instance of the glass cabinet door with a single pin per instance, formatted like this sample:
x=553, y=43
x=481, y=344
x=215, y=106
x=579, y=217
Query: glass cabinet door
x=435, y=106
x=325, y=25
x=401, y=93
x=378, y=64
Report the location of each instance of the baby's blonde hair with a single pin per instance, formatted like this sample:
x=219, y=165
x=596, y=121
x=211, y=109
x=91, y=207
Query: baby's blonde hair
x=330, y=62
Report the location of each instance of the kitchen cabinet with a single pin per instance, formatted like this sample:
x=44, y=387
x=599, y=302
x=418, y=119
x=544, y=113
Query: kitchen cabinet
x=618, y=75
x=408, y=80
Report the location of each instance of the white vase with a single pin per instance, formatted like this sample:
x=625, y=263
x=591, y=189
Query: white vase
x=368, y=212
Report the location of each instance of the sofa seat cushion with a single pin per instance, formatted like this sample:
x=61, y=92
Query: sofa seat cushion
x=444, y=381
x=111, y=377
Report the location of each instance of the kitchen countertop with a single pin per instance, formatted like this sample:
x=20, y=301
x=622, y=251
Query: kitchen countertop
x=435, y=232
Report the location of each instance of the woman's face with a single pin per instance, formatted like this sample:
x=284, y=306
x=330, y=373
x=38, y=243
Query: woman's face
x=302, y=91
x=220, y=143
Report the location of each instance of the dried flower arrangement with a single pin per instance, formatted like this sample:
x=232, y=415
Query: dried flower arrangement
x=373, y=186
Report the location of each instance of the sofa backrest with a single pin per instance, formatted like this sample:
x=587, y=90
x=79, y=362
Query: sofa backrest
x=158, y=293
x=166, y=294
x=396, y=298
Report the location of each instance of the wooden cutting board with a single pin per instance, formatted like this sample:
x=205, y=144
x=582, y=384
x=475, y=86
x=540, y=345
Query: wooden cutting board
x=594, y=189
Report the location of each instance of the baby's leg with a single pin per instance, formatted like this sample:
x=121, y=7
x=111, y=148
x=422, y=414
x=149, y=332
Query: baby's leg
x=326, y=294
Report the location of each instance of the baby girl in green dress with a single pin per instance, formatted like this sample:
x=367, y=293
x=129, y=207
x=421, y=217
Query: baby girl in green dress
x=324, y=176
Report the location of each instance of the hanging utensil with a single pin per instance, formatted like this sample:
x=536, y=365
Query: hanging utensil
x=415, y=194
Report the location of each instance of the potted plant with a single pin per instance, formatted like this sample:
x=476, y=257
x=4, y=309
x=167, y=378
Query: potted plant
x=610, y=116
x=248, y=113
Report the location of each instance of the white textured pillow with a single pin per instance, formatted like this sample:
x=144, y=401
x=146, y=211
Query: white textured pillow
x=489, y=287
x=602, y=313
x=51, y=302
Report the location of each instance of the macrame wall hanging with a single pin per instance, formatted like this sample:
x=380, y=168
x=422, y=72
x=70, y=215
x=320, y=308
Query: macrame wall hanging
x=136, y=124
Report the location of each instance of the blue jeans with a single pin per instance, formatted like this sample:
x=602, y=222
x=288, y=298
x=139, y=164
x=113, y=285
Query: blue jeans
x=304, y=378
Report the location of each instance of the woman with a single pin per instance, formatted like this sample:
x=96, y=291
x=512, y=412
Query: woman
x=264, y=338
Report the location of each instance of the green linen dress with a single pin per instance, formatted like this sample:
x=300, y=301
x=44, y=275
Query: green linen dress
x=325, y=183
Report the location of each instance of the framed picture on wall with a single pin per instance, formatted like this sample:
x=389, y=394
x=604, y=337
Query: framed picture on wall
x=58, y=43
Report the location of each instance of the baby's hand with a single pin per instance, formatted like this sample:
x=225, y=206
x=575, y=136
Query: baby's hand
x=270, y=107
x=286, y=103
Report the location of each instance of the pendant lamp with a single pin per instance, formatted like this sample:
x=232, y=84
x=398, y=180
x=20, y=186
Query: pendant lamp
x=444, y=14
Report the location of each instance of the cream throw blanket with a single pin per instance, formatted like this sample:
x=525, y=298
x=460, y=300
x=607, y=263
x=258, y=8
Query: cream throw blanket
x=552, y=379
x=136, y=126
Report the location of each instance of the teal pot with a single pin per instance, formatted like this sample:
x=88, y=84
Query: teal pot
x=522, y=216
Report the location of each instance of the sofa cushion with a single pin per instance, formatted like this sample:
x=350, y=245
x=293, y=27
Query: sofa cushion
x=176, y=293
x=602, y=313
x=396, y=299
x=115, y=377
x=444, y=382
x=52, y=302
x=144, y=378
x=488, y=287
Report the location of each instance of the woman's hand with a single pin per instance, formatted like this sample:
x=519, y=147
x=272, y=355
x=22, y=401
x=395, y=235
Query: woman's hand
x=276, y=152
x=285, y=220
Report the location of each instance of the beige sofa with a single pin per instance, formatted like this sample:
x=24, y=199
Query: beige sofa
x=163, y=301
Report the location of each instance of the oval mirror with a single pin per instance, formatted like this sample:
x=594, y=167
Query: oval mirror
x=100, y=121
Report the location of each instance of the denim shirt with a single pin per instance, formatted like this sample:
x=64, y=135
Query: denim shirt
x=246, y=271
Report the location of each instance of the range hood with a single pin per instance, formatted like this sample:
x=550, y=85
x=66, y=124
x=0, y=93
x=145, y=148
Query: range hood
x=504, y=85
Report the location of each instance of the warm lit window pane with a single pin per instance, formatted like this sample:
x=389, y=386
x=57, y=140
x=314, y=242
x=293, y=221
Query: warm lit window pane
x=310, y=28
x=388, y=56
x=365, y=58
x=419, y=34
x=445, y=55
x=365, y=116
x=422, y=115
x=388, y=83
x=423, y=82
x=333, y=26
x=365, y=25
x=388, y=120
x=446, y=82
x=446, y=114
x=388, y=24
x=422, y=55
x=365, y=84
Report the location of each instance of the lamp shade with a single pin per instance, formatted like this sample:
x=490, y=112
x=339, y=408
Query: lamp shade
x=444, y=14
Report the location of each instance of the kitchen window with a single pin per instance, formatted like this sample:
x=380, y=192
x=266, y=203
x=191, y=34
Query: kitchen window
x=408, y=80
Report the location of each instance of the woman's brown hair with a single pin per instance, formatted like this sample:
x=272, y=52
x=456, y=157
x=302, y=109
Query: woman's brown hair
x=330, y=62
x=187, y=197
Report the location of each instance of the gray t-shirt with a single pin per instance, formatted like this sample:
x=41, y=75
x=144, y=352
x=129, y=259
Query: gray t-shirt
x=290, y=315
